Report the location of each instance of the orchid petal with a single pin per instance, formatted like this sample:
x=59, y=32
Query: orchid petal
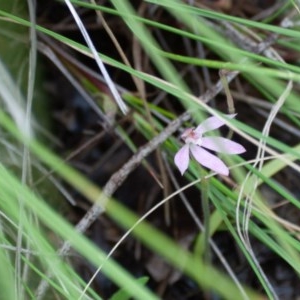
x=211, y=124
x=222, y=145
x=209, y=160
x=182, y=159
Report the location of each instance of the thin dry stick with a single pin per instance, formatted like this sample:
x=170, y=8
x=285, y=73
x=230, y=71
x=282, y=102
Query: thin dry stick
x=97, y=58
x=179, y=192
x=138, y=82
x=119, y=177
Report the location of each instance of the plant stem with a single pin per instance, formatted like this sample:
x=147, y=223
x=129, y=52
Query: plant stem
x=206, y=216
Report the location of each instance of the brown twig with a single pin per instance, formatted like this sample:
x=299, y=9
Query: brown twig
x=119, y=177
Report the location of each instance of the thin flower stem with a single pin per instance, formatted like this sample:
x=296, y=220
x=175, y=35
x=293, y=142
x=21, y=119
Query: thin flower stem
x=206, y=216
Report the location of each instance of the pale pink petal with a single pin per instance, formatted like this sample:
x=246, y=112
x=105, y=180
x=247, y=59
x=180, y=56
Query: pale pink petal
x=222, y=145
x=211, y=124
x=209, y=160
x=182, y=159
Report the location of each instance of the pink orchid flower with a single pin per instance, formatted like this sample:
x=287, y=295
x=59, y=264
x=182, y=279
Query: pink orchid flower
x=195, y=143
